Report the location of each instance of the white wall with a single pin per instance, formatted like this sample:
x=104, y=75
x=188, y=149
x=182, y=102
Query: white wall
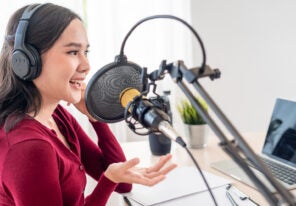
x=253, y=44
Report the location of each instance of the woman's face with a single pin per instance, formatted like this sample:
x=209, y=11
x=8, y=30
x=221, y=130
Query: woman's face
x=64, y=66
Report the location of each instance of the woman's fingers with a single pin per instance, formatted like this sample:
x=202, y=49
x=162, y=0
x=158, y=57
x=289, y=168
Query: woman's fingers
x=148, y=181
x=167, y=169
x=131, y=163
x=138, y=175
x=159, y=169
x=128, y=172
x=162, y=171
x=162, y=161
x=160, y=164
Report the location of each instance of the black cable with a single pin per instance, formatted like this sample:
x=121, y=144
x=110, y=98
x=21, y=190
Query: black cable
x=181, y=142
x=127, y=201
x=202, y=175
x=202, y=68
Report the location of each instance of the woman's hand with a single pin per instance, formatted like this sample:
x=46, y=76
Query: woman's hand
x=127, y=172
x=81, y=106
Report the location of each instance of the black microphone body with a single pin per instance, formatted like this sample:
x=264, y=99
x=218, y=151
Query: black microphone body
x=148, y=114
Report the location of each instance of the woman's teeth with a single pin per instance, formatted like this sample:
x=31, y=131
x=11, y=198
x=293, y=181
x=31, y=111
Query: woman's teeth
x=76, y=82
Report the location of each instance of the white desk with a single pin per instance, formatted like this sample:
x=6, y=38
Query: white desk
x=204, y=157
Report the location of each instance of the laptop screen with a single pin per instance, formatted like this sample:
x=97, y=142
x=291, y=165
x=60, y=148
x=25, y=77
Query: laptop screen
x=280, y=142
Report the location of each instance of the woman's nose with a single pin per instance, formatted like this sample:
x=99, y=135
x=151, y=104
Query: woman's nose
x=84, y=66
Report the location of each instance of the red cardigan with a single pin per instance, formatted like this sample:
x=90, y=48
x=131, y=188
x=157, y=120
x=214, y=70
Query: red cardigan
x=37, y=169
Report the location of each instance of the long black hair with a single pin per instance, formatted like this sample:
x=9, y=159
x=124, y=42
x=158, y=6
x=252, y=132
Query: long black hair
x=19, y=97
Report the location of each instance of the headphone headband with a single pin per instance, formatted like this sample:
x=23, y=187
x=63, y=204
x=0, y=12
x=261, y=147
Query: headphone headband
x=29, y=11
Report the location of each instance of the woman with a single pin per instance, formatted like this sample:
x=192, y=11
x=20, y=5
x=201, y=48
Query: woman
x=44, y=153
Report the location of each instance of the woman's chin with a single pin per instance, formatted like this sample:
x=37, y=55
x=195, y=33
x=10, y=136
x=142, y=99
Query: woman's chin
x=74, y=100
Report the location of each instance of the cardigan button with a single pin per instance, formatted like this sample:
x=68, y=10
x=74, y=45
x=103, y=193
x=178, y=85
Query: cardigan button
x=81, y=167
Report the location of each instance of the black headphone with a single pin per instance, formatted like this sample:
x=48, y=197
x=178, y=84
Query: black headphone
x=26, y=61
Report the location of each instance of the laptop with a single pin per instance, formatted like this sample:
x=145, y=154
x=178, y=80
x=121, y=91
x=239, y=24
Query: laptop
x=278, y=152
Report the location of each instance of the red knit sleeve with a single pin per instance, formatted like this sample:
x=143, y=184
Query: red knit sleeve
x=111, y=149
x=101, y=193
x=96, y=158
x=31, y=174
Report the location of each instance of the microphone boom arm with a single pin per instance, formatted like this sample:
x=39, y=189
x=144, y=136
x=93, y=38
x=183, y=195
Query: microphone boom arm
x=234, y=148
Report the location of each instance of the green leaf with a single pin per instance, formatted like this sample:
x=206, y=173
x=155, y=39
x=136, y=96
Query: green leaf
x=188, y=113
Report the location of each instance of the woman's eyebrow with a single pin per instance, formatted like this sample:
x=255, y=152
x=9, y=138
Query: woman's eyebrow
x=73, y=44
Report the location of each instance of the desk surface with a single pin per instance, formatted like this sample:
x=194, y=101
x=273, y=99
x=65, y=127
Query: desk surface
x=211, y=153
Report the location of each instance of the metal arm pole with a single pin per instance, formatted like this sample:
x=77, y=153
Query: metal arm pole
x=177, y=72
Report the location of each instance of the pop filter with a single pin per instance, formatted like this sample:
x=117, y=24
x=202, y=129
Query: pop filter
x=103, y=91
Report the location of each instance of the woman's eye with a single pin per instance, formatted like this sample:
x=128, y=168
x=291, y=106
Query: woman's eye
x=76, y=52
x=73, y=52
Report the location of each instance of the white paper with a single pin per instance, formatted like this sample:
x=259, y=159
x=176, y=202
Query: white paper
x=180, y=182
x=202, y=198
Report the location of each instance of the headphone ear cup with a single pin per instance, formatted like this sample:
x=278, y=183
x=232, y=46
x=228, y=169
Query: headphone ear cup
x=26, y=63
x=35, y=60
x=20, y=63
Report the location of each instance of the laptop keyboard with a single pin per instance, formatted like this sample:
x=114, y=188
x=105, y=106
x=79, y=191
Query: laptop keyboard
x=282, y=172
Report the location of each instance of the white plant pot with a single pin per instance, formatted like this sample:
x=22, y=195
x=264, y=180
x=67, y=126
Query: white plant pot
x=197, y=135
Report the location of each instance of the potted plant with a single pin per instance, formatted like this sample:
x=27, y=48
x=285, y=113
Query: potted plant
x=196, y=127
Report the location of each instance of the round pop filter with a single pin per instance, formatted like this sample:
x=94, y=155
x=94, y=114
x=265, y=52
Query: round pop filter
x=103, y=91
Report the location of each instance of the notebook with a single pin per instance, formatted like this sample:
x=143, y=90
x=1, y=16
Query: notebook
x=278, y=151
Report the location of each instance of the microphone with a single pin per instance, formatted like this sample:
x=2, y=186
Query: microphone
x=142, y=109
x=116, y=88
x=149, y=115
